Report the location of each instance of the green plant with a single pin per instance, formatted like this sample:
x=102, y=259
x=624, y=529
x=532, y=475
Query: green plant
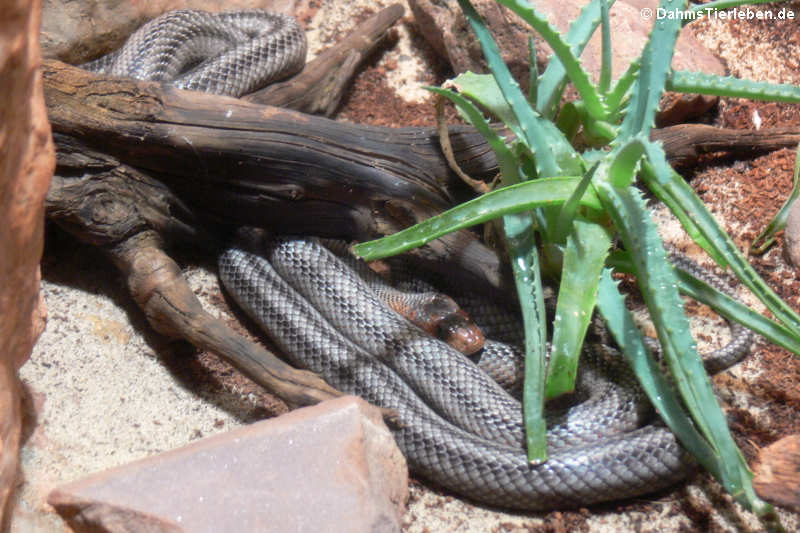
x=766, y=238
x=561, y=206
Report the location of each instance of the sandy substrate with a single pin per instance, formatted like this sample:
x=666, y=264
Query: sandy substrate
x=105, y=390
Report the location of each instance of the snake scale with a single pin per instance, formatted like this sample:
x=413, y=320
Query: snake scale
x=231, y=53
x=456, y=425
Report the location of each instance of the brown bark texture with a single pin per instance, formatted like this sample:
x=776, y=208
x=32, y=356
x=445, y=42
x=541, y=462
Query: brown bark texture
x=237, y=163
x=26, y=165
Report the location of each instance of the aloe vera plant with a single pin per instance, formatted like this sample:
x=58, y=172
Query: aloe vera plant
x=574, y=203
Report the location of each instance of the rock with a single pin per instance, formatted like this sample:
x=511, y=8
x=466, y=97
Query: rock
x=26, y=165
x=446, y=29
x=75, y=32
x=791, y=235
x=331, y=467
x=777, y=474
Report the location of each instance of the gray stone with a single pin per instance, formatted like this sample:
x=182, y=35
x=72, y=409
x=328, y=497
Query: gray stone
x=331, y=467
x=446, y=29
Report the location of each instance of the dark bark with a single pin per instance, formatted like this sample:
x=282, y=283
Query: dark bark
x=239, y=163
x=684, y=143
x=129, y=214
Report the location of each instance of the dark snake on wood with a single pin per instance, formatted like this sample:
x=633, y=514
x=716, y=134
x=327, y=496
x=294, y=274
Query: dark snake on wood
x=456, y=426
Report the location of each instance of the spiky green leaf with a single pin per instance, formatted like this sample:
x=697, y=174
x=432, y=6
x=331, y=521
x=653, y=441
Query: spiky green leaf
x=508, y=200
x=653, y=70
x=767, y=235
x=584, y=256
x=553, y=81
x=682, y=81
x=524, y=258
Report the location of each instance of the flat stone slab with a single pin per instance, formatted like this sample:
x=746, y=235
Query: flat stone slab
x=330, y=467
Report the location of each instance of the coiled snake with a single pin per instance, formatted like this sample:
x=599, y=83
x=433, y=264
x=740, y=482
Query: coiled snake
x=456, y=425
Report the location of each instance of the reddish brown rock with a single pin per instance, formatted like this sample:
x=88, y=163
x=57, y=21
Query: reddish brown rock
x=77, y=31
x=777, y=474
x=26, y=165
x=331, y=467
x=446, y=29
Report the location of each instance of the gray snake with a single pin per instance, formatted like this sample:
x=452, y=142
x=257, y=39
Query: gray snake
x=230, y=53
x=455, y=425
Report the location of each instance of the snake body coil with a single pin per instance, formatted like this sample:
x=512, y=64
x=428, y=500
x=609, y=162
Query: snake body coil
x=456, y=426
x=305, y=297
x=232, y=53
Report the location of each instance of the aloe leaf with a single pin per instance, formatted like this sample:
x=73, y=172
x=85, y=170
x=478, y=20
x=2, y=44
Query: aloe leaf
x=506, y=160
x=584, y=256
x=524, y=257
x=553, y=80
x=611, y=305
x=566, y=55
x=615, y=98
x=484, y=89
x=605, y=61
x=625, y=161
x=527, y=277
x=599, y=132
x=721, y=303
x=554, y=155
x=733, y=310
x=533, y=72
x=569, y=208
x=505, y=201
x=649, y=86
x=683, y=217
x=658, y=283
x=681, y=81
x=570, y=118
x=658, y=171
x=779, y=222
x=683, y=197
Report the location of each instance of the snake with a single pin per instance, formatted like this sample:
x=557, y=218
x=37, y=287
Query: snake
x=455, y=424
x=456, y=421
x=229, y=53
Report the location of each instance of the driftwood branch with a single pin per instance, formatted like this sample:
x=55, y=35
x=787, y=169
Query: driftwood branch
x=129, y=214
x=685, y=142
x=319, y=87
x=239, y=163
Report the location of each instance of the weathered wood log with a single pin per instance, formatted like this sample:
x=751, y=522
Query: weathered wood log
x=239, y=163
x=685, y=142
x=129, y=214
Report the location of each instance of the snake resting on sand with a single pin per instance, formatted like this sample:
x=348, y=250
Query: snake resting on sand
x=325, y=310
